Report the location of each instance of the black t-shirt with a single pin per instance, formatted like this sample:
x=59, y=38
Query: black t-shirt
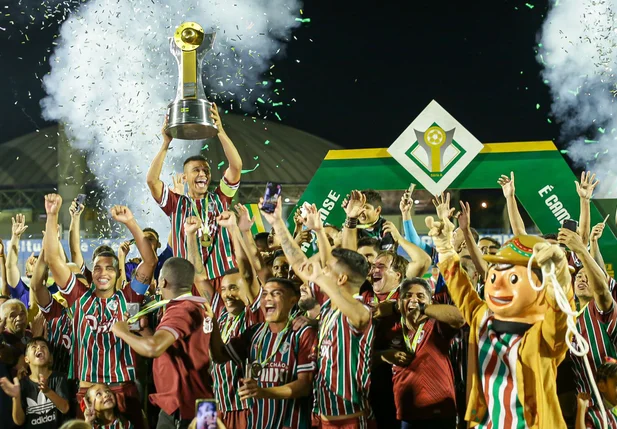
x=40, y=412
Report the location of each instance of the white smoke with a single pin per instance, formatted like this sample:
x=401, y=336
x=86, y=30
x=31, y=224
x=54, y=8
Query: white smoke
x=112, y=77
x=578, y=50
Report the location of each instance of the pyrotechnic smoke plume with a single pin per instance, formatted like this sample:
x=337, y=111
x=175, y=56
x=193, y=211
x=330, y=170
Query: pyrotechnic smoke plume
x=112, y=77
x=578, y=50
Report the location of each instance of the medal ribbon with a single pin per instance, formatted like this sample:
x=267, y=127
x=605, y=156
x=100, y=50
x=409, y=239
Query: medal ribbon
x=277, y=345
x=204, y=218
x=377, y=301
x=150, y=308
x=413, y=345
x=228, y=328
x=326, y=326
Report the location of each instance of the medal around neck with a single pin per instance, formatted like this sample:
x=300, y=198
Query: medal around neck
x=189, y=114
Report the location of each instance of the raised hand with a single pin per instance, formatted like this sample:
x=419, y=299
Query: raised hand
x=12, y=389
x=507, y=184
x=192, y=225
x=388, y=227
x=19, y=225
x=441, y=232
x=310, y=269
x=442, y=204
x=216, y=118
x=312, y=218
x=227, y=219
x=245, y=223
x=30, y=262
x=121, y=214
x=406, y=204
x=43, y=383
x=596, y=231
x=303, y=237
x=586, y=186
x=89, y=413
x=37, y=327
x=125, y=247
x=274, y=216
x=167, y=138
x=464, y=216
x=298, y=219
x=571, y=239
x=76, y=210
x=178, y=184
x=354, y=203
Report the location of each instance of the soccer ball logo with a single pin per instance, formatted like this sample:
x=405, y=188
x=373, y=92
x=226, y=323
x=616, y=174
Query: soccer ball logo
x=435, y=136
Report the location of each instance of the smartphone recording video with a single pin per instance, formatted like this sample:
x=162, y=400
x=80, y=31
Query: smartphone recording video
x=133, y=308
x=205, y=410
x=273, y=191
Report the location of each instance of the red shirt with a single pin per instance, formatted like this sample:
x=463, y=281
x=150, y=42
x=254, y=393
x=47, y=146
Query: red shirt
x=181, y=374
x=425, y=389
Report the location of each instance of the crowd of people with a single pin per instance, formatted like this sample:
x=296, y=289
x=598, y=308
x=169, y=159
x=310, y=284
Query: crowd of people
x=376, y=329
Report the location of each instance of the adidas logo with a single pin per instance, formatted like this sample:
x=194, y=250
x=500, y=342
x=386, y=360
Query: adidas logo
x=46, y=419
x=42, y=405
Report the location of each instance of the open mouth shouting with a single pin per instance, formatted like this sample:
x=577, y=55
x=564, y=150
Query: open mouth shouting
x=201, y=183
x=500, y=301
x=270, y=311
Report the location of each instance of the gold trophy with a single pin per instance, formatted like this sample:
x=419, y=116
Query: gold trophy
x=189, y=114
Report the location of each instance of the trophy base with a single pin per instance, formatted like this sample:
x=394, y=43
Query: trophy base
x=189, y=119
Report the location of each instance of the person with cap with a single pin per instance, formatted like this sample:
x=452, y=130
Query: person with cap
x=517, y=336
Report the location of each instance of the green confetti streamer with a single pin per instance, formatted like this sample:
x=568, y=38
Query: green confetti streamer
x=303, y=20
x=549, y=121
x=537, y=106
x=260, y=100
x=248, y=171
x=265, y=82
x=530, y=6
x=602, y=130
x=267, y=142
x=276, y=104
x=278, y=81
x=256, y=158
x=277, y=115
x=221, y=164
x=591, y=141
x=563, y=151
x=205, y=147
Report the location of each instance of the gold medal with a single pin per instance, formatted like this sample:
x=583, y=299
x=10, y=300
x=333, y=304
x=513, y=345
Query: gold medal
x=206, y=240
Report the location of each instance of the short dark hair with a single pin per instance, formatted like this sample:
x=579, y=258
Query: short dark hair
x=375, y=243
x=153, y=231
x=288, y=284
x=35, y=340
x=101, y=249
x=278, y=254
x=372, y=197
x=549, y=236
x=261, y=236
x=112, y=255
x=179, y=272
x=234, y=270
x=408, y=283
x=492, y=240
x=399, y=264
x=353, y=263
x=606, y=370
x=200, y=158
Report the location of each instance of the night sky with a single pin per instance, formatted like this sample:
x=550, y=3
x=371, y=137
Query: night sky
x=368, y=71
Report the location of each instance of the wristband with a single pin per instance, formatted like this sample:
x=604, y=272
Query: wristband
x=351, y=222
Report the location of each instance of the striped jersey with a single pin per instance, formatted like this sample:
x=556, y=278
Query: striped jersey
x=218, y=257
x=344, y=364
x=593, y=418
x=100, y=357
x=497, y=357
x=59, y=335
x=227, y=376
x=600, y=331
x=295, y=355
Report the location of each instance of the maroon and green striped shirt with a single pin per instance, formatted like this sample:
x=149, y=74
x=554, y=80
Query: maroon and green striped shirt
x=344, y=364
x=219, y=256
x=227, y=376
x=100, y=356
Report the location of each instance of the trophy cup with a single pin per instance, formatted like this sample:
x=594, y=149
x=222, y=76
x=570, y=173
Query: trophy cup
x=189, y=114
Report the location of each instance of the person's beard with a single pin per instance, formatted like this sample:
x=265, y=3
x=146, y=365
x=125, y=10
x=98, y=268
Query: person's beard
x=307, y=304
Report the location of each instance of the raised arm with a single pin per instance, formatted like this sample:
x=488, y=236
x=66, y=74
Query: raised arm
x=38, y=288
x=232, y=174
x=516, y=221
x=293, y=252
x=144, y=271
x=595, y=275
x=250, y=284
x=409, y=229
x=358, y=315
x=245, y=224
x=585, y=191
x=153, y=179
x=218, y=351
x=75, y=234
x=191, y=226
x=353, y=206
x=464, y=222
x=12, y=271
x=419, y=259
x=594, y=246
x=57, y=265
x=313, y=222
x=5, y=287
x=448, y=314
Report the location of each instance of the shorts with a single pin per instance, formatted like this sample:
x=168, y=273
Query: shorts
x=237, y=419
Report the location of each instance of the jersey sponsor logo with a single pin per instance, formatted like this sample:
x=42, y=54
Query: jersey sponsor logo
x=276, y=372
x=100, y=327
